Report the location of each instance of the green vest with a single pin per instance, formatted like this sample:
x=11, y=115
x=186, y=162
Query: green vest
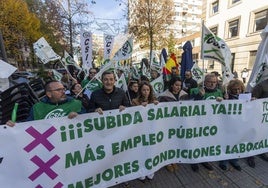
x=208, y=95
x=43, y=110
x=212, y=95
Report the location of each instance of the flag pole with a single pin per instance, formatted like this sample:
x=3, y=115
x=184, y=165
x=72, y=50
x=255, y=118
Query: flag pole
x=202, y=52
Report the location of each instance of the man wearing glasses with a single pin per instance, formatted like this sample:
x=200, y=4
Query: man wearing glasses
x=55, y=104
x=208, y=92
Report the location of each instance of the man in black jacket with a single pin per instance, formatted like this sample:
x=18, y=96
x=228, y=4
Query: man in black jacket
x=188, y=82
x=108, y=97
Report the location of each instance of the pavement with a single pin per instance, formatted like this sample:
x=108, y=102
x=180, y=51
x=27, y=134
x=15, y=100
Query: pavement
x=184, y=177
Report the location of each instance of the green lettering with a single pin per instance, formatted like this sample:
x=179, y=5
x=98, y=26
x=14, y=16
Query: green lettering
x=73, y=159
x=222, y=109
x=151, y=115
x=88, y=126
x=127, y=118
x=184, y=111
x=137, y=118
x=174, y=112
x=100, y=151
x=166, y=114
x=79, y=184
x=115, y=148
x=135, y=166
x=214, y=107
x=159, y=114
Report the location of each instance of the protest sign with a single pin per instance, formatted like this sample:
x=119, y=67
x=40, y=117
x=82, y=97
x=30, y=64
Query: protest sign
x=95, y=150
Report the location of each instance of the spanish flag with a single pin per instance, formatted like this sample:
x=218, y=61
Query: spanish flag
x=171, y=62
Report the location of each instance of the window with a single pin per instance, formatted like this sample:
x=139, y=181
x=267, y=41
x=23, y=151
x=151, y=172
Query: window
x=233, y=27
x=215, y=7
x=214, y=30
x=234, y=1
x=252, y=58
x=260, y=20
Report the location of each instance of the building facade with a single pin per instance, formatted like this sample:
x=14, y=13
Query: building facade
x=239, y=23
x=187, y=17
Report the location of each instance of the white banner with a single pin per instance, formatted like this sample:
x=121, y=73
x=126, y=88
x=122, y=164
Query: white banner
x=108, y=45
x=44, y=51
x=95, y=150
x=86, y=48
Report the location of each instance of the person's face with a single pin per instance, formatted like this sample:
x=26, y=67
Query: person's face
x=236, y=90
x=154, y=74
x=92, y=73
x=176, y=87
x=174, y=70
x=77, y=88
x=145, y=91
x=119, y=73
x=187, y=75
x=56, y=92
x=211, y=83
x=135, y=87
x=108, y=82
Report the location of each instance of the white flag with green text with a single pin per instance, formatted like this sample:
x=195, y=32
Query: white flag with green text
x=214, y=48
x=125, y=51
x=197, y=73
x=68, y=60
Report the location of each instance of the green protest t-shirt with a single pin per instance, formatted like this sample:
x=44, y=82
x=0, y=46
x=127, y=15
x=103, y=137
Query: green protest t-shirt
x=212, y=95
x=43, y=110
x=207, y=95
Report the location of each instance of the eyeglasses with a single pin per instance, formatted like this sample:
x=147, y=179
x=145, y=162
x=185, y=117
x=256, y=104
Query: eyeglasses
x=59, y=89
x=92, y=72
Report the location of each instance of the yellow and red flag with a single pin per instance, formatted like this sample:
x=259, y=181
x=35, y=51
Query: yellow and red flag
x=171, y=62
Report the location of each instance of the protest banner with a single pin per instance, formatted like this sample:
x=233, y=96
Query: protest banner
x=95, y=150
x=108, y=41
x=86, y=49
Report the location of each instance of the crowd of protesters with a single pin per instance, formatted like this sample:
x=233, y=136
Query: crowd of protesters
x=97, y=95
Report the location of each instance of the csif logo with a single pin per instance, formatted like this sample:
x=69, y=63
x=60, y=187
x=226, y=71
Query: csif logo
x=158, y=87
x=55, y=113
